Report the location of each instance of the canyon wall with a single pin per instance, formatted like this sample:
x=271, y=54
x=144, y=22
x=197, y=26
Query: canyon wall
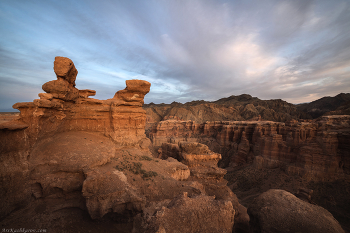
x=233, y=108
x=317, y=149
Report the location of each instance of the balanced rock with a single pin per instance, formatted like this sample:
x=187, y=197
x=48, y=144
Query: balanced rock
x=64, y=87
x=135, y=91
x=61, y=89
x=65, y=69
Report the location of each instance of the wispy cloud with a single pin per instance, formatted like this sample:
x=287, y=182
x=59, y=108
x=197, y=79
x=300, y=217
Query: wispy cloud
x=295, y=50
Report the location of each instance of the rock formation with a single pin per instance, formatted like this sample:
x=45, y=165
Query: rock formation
x=185, y=214
x=233, y=108
x=72, y=154
x=70, y=159
x=316, y=149
x=201, y=161
x=280, y=211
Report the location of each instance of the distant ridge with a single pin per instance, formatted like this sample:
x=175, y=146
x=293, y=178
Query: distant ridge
x=9, y=110
x=337, y=105
x=233, y=108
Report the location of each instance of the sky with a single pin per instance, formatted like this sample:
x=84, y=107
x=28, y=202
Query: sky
x=297, y=50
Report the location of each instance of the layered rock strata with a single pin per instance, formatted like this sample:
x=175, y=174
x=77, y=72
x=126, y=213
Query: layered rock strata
x=315, y=149
x=69, y=153
x=202, y=163
x=233, y=108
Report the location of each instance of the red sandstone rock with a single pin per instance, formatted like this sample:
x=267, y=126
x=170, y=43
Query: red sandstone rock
x=107, y=190
x=86, y=93
x=61, y=89
x=202, y=163
x=68, y=152
x=59, y=115
x=280, y=211
x=45, y=96
x=315, y=150
x=65, y=69
x=185, y=214
x=135, y=91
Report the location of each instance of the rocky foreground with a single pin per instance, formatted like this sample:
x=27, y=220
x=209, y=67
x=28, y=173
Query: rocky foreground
x=72, y=163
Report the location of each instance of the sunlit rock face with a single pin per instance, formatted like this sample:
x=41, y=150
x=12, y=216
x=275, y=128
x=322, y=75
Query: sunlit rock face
x=69, y=109
x=317, y=149
x=233, y=108
x=69, y=153
x=62, y=135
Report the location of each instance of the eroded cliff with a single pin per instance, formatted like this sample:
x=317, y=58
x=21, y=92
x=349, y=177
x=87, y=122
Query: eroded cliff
x=317, y=149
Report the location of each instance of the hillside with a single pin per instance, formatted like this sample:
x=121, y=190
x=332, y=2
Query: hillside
x=339, y=104
x=242, y=107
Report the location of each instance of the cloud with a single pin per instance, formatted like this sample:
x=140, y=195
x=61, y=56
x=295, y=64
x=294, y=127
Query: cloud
x=294, y=50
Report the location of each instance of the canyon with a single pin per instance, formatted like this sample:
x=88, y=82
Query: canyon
x=72, y=163
x=317, y=149
x=260, y=154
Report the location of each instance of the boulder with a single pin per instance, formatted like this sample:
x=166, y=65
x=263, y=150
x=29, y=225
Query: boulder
x=280, y=211
x=135, y=91
x=61, y=89
x=65, y=69
x=184, y=214
x=109, y=191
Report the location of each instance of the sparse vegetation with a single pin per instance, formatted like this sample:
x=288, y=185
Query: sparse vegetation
x=144, y=157
x=136, y=168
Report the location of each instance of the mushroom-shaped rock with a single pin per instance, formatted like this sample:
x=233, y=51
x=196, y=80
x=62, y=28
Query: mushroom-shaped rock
x=135, y=91
x=140, y=86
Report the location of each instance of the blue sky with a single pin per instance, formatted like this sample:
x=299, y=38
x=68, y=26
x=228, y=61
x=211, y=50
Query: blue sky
x=296, y=50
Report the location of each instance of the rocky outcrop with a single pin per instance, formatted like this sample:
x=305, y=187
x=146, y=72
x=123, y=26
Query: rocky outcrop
x=202, y=163
x=106, y=191
x=69, y=153
x=70, y=109
x=61, y=136
x=280, y=211
x=174, y=131
x=313, y=149
x=185, y=214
